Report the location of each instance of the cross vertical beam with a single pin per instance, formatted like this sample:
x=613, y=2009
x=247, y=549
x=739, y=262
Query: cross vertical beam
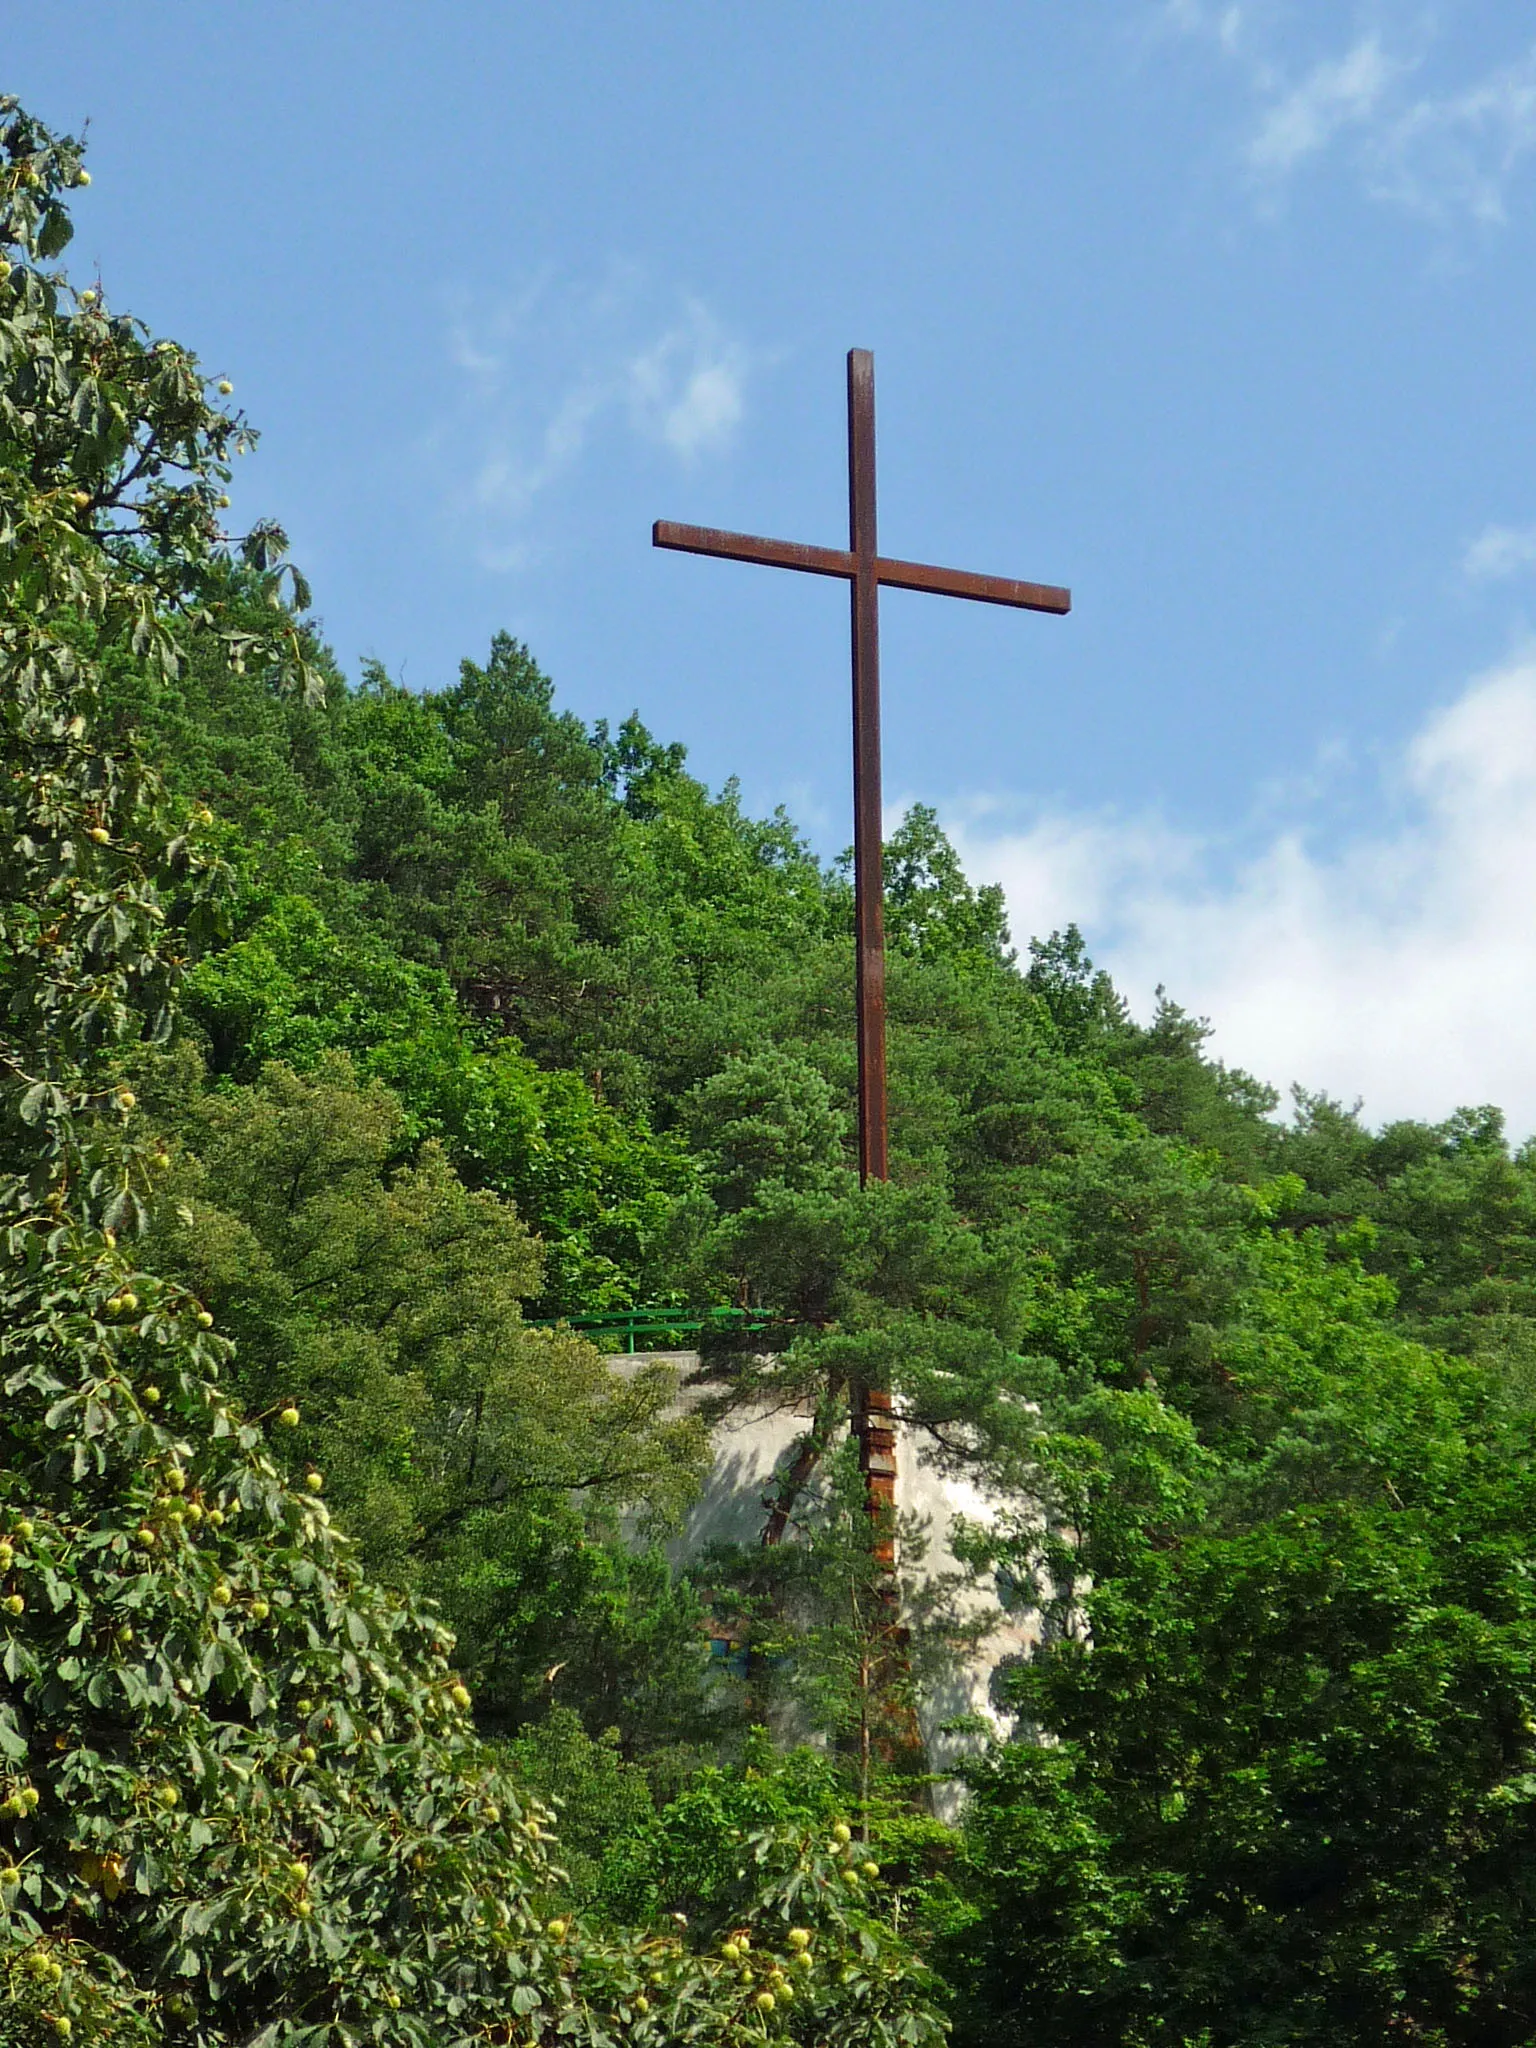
x=873, y=1422
x=868, y=854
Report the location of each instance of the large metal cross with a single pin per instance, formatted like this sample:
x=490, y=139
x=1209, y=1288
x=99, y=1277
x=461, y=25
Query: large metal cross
x=864, y=568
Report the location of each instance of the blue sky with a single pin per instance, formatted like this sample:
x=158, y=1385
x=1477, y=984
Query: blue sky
x=1220, y=313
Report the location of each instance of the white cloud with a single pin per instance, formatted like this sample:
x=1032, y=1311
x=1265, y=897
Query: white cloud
x=1459, y=153
x=1229, y=23
x=1499, y=551
x=544, y=372
x=1341, y=93
x=1445, y=153
x=1400, y=969
x=513, y=469
x=687, y=387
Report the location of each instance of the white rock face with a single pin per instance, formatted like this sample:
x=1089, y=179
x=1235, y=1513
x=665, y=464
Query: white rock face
x=752, y=1445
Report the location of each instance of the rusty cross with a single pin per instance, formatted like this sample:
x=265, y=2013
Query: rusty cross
x=864, y=569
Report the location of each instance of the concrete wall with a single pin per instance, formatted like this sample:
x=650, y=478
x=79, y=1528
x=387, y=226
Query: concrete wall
x=749, y=1449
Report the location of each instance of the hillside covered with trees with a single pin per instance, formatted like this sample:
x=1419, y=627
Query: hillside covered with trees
x=356, y=1041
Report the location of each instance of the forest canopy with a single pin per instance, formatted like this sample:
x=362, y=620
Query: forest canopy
x=364, y=1049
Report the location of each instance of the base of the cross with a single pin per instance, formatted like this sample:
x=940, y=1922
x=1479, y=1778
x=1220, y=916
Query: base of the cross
x=874, y=1424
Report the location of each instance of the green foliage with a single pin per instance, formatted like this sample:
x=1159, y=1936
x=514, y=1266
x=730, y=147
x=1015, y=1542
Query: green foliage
x=243, y=1801
x=598, y=1795
x=1454, y=1215
x=687, y=1856
x=767, y=1117
x=703, y=1856
x=598, y=1187
x=360, y=1272
x=931, y=909
x=382, y=1298
x=244, y=1792
x=1287, y=1797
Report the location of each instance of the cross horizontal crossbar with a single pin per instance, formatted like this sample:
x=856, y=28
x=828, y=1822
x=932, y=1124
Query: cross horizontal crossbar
x=790, y=554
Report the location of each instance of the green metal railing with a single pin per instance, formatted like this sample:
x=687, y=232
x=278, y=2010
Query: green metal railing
x=660, y=1326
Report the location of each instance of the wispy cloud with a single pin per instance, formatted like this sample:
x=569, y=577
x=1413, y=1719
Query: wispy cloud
x=1381, y=104
x=1460, y=153
x=687, y=388
x=1339, y=93
x=1400, y=968
x=1227, y=22
x=544, y=372
x=1500, y=551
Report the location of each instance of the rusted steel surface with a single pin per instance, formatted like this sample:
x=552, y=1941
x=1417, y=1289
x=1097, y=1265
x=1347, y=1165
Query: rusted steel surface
x=794, y=554
x=874, y=1423
x=868, y=822
x=1025, y=597
x=747, y=547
